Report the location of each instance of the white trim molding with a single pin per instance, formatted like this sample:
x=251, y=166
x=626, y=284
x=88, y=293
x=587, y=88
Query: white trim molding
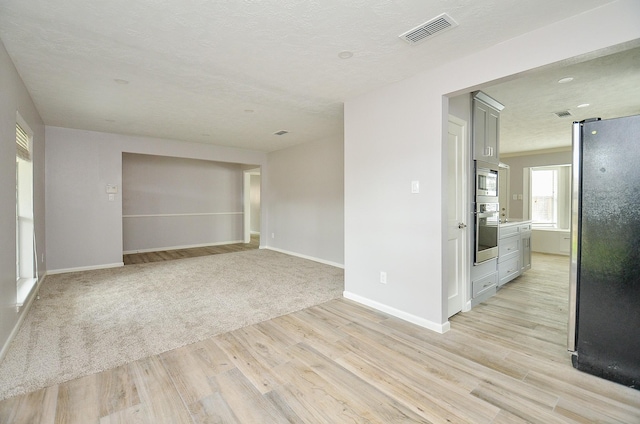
x=186, y=246
x=156, y=215
x=25, y=310
x=84, y=268
x=299, y=255
x=430, y=325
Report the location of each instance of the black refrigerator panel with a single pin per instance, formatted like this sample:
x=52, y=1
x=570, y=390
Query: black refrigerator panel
x=608, y=312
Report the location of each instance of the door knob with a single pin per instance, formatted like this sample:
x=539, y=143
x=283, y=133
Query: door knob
x=461, y=225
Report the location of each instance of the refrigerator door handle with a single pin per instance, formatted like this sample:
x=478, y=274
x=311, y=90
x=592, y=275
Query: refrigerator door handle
x=575, y=234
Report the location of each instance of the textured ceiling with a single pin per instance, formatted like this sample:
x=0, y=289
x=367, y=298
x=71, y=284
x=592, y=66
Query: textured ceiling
x=234, y=72
x=610, y=85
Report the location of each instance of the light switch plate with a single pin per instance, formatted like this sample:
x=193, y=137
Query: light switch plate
x=415, y=187
x=112, y=188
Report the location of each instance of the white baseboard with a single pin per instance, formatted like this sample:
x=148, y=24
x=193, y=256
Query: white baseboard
x=467, y=306
x=84, y=268
x=186, y=246
x=255, y=233
x=23, y=310
x=299, y=255
x=430, y=325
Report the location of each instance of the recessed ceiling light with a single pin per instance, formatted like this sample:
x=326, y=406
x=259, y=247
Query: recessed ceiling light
x=121, y=81
x=281, y=132
x=565, y=80
x=345, y=54
x=584, y=105
x=110, y=120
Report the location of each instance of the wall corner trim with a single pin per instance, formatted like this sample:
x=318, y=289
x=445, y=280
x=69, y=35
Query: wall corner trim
x=430, y=325
x=84, y=268
x=299, y=255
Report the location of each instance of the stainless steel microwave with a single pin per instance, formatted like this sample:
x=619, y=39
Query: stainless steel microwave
x=486, y=180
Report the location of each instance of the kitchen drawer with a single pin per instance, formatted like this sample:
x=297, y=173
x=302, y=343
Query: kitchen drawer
x=484, y=284
x=525, y=227
x=508, y=270
x=508, y=248
x=509, y=230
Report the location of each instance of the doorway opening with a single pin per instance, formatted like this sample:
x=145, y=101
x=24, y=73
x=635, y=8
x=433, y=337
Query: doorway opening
x=252, y=205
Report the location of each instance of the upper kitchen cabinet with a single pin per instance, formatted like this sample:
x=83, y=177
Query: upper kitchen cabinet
x=486, y=127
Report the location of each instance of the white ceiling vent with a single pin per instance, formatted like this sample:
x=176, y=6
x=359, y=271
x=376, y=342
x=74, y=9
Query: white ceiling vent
x=563, y=114
x=435, y=26
x=281, y=132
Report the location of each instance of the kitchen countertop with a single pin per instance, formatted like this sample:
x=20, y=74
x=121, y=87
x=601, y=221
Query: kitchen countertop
x=514, y=222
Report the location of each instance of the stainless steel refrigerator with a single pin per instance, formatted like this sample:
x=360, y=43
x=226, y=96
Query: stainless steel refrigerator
x=604, y=304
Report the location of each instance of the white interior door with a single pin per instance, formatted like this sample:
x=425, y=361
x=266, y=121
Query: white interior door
x=457, y=213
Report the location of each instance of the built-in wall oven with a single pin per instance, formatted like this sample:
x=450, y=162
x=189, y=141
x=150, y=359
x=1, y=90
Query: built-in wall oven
x=486, y=211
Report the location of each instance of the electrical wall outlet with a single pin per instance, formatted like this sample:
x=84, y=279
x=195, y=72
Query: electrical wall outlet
x=383, y=277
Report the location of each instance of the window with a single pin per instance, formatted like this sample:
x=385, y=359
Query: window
x=544, y=197
x=26, y=266
x=550, y=196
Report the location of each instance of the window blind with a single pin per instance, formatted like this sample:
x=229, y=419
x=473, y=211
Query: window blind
x=22, y=144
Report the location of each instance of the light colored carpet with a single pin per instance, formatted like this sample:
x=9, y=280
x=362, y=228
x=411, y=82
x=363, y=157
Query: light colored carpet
x=90, y=321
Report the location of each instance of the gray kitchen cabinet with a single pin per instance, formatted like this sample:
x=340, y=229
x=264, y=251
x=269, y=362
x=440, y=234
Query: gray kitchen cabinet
x=514, y=250
x=484, y=281
x=486, y=127
x=484, y=285
x=508, y=253
x=525, y=237
x=509, y=269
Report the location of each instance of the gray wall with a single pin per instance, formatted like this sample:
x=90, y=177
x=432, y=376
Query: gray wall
x=84, y=228
x=516, y=166
x=305, y=207
x=460, y=107
x=395, y=135
x=177, y=202
x=15, y=98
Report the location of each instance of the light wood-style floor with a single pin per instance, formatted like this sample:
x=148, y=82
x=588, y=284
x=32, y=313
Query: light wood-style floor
x=503, y=362
x=169, y=255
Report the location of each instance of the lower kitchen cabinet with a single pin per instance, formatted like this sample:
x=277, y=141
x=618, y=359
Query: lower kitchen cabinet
x=514, y=258
x=484, y=281
x=525, y=244
x=508, y=270
x=514, y=250
x=485, y=285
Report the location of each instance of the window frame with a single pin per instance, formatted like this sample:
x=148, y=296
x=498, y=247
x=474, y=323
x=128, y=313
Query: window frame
x=563, y=196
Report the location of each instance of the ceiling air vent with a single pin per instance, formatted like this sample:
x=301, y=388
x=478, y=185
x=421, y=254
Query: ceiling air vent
x=281, y=132
x=435, y=26
x=563, y=114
